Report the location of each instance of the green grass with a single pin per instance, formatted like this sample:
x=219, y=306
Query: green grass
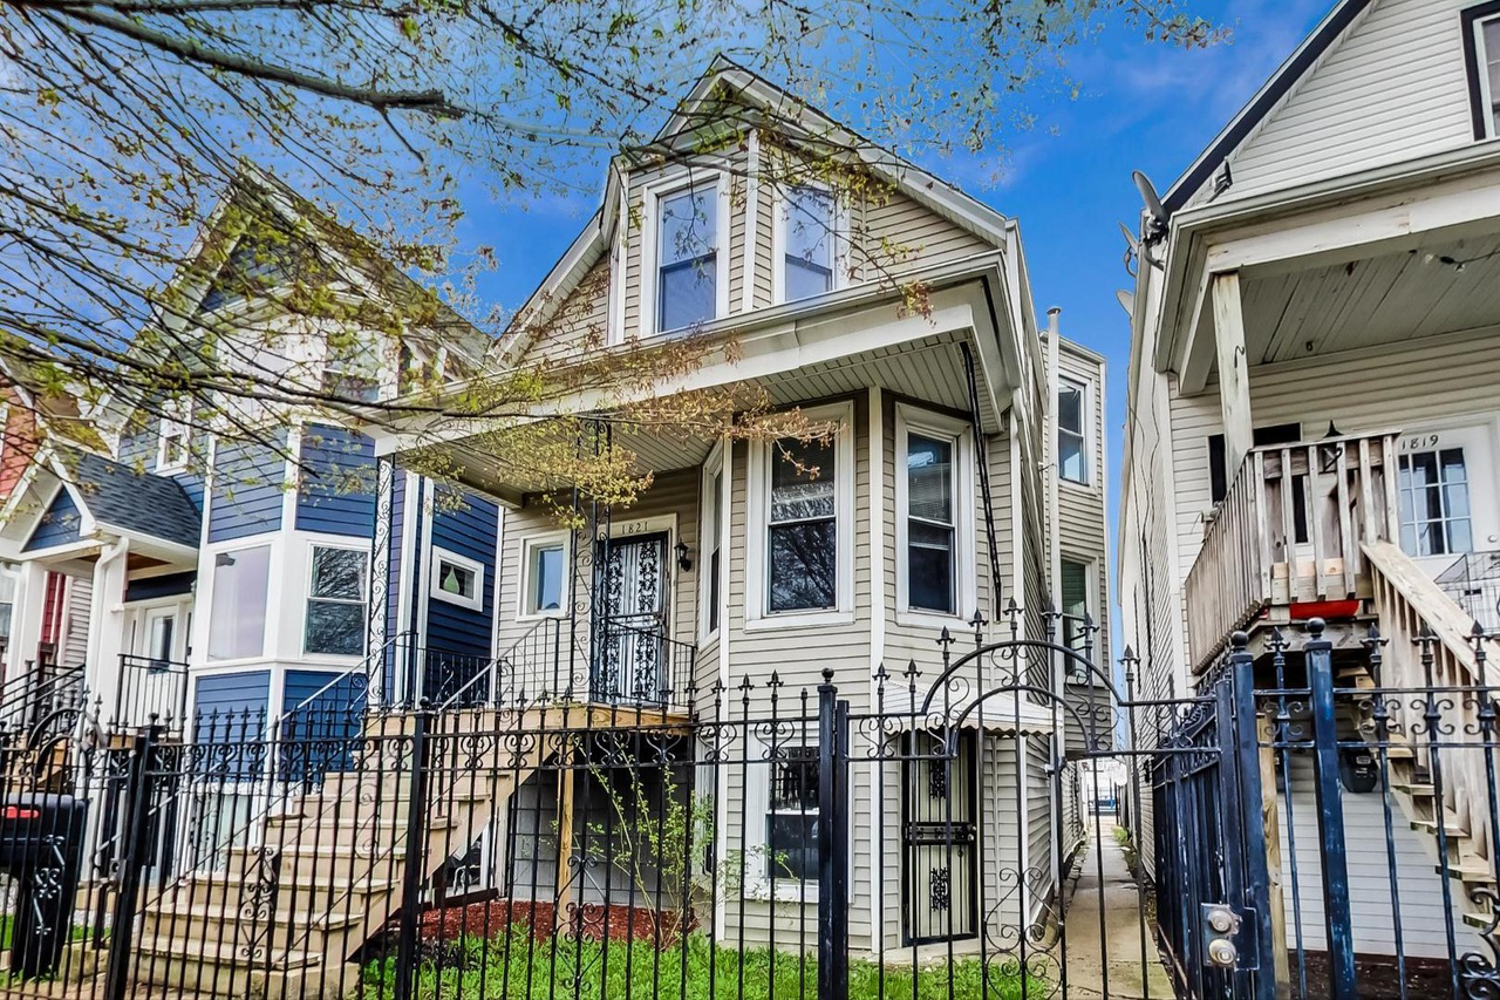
x=514, y=967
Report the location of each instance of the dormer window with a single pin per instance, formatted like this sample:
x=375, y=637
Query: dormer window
x=687, y=267
x=172, y=441
x=807, y=255
x=1482, y=53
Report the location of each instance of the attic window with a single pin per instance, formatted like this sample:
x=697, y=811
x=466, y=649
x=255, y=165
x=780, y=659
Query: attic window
x=1482, y=54
x=172, y=441
x=687, y=269
x=256, y=264
x=807, y=243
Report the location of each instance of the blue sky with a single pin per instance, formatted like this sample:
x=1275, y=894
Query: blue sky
x=1142, y=106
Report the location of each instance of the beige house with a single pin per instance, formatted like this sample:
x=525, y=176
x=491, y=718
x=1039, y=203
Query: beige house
x=967, y=471
x=1313, y=427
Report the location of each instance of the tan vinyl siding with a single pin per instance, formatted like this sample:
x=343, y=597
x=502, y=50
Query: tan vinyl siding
x=1392, y=89
x=580, y=321
x=1081, y=530
x=765, y=219
x=899, y=234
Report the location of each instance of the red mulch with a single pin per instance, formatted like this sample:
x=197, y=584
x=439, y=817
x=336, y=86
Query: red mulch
x=592, y=921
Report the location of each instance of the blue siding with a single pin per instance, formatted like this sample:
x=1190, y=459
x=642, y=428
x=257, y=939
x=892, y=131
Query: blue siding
x=322, y=734
x=337, y=494
x=469, y=530
x=170, y=585
x=231, y=709
x=247, y=492
x=59, y=524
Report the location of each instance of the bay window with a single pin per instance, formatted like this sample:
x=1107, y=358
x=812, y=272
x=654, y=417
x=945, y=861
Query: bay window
x=237, y=624
x=337, y=599
x=934, y=516
x=802, y=530
x=792, y=815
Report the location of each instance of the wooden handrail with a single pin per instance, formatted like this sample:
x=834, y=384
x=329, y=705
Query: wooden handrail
x=1289, y=531
x=1407, y=601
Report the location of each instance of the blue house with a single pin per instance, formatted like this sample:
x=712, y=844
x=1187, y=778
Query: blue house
x=218, y=575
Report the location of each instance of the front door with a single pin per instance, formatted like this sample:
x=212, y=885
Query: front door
x=939, y=833
x=631, y=666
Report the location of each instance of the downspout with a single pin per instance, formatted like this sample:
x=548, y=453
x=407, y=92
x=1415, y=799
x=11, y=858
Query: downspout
x=1054, y=588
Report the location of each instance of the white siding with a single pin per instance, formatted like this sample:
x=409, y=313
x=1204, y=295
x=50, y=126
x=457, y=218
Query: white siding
x=1421, y=889
x=1392, y=89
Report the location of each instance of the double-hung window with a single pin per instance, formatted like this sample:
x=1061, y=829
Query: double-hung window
x=687, y=265
x=1482, y=53
x=807, y=243
x=337, y=598
x=802, y=530
x=934, y=528
x=1072, y=439
x=1076, y=612
x=237, y=624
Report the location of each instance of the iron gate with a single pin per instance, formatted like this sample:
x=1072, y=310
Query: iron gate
x=904, y=835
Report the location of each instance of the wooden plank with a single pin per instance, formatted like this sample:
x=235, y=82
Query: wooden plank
x=1347, y=545
x=1316, y=501
x=1272, y=826
x=1234, y=372
x=565, y=798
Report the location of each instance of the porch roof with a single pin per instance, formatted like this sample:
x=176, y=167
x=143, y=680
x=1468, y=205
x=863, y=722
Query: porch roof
x=799, y=353
x=1386, y=256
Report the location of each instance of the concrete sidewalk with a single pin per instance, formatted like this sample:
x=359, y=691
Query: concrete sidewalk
x=1113, y=959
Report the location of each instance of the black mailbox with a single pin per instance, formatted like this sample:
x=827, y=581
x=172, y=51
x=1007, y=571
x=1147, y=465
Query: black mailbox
x=41, y=847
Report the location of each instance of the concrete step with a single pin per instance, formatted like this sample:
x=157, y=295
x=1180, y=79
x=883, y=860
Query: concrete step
x=226, y=968
x=221, y=888
x=288, y=926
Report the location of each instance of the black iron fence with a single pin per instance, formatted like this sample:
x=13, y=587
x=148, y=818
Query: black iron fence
x=1313, y=823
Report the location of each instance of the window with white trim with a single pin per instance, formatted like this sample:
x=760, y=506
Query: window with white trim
x=1077, y=611
x=687, y=257
x=173, y=443
x=1434, y=499
x=237, y=619
x=802, y=527
x=337, y=600
x=544, y=576
x=808, y=255
x=712, y=541
x=1072, y=434
x=792, y=815
x=1482, y=47
x=457, y=579
x=934, y=519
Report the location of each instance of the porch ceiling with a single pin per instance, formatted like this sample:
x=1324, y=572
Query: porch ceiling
x=1408, y=293
x=930, y=369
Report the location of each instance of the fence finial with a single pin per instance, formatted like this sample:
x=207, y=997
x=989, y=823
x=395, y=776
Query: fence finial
x=1315, y=627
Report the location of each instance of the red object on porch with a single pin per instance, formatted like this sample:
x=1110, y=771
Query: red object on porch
x=52, y=608
x=1327, y=610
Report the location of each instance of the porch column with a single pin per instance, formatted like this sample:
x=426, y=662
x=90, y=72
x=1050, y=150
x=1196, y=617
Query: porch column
x=107, y=627
x=1234, y=371
x=26, y=617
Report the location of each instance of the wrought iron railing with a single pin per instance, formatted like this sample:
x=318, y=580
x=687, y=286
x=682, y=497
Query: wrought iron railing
x=39, y=692
x=551, y=663
x=152, y=691
x=1289, y=531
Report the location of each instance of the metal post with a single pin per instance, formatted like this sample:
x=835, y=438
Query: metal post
x=1336, y=910
x=833, y=843
x=134, y=854
x=416, y=839
x=1256, y=940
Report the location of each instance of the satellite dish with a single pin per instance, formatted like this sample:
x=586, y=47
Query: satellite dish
x=1148, y=195
x=1130, y=238
x=1127, y=302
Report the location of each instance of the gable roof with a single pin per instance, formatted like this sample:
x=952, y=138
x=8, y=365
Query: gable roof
x=1265, y=100
x=118, y=496
x=794, y=115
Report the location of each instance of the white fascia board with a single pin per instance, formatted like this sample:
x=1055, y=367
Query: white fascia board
x=784, y=338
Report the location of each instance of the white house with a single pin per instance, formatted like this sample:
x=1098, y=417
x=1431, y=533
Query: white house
x=1313, y=428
